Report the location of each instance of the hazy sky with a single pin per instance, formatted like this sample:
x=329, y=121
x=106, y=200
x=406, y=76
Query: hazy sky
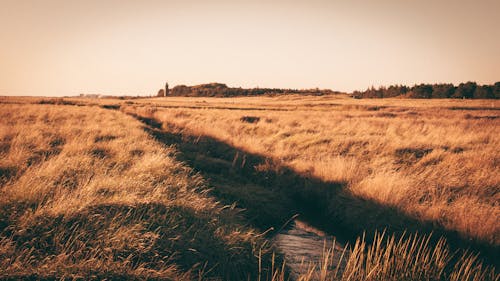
x=67, y=47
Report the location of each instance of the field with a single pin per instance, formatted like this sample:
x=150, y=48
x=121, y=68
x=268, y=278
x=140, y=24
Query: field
x=86, y=193
x=435, y=161
x=186, y=188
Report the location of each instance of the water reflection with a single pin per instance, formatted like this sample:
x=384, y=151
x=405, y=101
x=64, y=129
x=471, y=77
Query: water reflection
x=303, y=246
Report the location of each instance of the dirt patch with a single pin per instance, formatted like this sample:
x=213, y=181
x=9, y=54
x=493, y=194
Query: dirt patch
x=250, y=119
x=111, y=106
x=375, y=108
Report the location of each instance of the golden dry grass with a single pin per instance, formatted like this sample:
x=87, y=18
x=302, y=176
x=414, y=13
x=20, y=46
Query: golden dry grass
x=411, y=257
x=86, y=193
x=434, y=160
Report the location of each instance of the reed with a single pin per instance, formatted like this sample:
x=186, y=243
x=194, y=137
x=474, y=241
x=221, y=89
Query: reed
x=409, y=257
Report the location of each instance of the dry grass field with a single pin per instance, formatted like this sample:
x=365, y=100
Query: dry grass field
x=89, y=192
x=433, y=160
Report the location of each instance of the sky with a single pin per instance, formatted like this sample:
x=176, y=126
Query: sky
x=68, y=47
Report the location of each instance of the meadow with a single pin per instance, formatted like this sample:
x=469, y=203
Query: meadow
x=87, y=194
x=194, y=188
x=433, y=160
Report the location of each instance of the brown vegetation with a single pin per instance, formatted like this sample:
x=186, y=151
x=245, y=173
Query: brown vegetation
x=425, y=159
x=85, y=193
x=222, y=90
x=469, y=90
x=387, y=258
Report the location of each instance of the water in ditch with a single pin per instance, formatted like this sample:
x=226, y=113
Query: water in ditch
x=304, y=248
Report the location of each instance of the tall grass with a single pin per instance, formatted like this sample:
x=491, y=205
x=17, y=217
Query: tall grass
x=87, y=194
x=410, y=257
x=434, y=161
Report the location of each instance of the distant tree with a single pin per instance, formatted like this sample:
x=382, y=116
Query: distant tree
x=422, y=91
x=484, y=92
x=442, y=91
x=465, y=90
x=181, y=90
x=372, y=92
x=496, y=90
x=394, y=91
x=381, y=92
x=357, y=95
x=161, y=93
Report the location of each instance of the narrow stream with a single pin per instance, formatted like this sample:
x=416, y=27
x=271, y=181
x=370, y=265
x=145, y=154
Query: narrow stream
x=304, y=245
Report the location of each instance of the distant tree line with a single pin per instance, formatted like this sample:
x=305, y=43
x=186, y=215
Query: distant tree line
x=469, y=90
x=222, y=90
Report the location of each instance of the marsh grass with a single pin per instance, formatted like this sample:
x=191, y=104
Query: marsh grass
x=87, y=194
x=433, y=161
x=408, y=257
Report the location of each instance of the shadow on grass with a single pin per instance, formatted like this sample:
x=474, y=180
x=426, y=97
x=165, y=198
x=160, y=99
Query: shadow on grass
x=272, y=193
x=152, y=236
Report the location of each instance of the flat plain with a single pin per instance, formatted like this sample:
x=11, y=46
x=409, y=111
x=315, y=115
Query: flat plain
x=195, y=188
